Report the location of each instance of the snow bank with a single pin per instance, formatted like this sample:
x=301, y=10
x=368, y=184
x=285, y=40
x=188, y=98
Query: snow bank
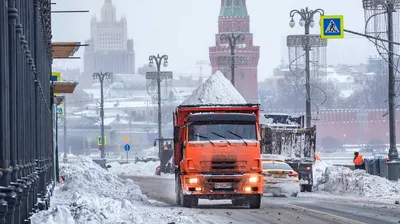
x=319, y=169
x=215, y=90
x=342, y=180
x=90, y=194
x=137, y=169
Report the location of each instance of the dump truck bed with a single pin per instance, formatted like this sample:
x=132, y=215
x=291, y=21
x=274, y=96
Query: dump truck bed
x=293, y=143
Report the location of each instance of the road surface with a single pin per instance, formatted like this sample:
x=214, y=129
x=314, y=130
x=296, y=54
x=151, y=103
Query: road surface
x=303, y=209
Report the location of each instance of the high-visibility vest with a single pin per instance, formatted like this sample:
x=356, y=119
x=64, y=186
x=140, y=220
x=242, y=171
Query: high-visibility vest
x=359, y=160
x=317, y=156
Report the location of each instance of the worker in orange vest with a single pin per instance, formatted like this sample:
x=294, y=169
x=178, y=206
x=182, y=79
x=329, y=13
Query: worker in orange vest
x=358, y=161
x=317, y=156
x=387, y=160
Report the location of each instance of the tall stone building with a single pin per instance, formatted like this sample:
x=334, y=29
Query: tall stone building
x=110, y=49
x=234, y=18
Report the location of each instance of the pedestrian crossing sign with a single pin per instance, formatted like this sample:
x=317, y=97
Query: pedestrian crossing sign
x=332, y=27
x=60, y=111
x=100, y=140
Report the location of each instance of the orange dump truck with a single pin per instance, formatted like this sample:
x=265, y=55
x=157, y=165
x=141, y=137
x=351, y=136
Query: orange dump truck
x=217, y=154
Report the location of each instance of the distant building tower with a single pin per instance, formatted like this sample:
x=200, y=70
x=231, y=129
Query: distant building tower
x=233, y=18
x=110, y=49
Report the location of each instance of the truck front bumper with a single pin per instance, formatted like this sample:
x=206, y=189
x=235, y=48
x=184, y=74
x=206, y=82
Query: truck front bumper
x=222, y=186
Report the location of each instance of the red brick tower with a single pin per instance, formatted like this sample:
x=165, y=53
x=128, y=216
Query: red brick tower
x=233, y=18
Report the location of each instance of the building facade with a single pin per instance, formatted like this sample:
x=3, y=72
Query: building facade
x=234, y=18
x=109, y=48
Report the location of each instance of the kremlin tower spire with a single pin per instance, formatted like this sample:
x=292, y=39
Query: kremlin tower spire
x=234, y=18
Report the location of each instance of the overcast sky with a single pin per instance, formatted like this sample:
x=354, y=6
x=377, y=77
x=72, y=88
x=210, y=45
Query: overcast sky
x=184, y=29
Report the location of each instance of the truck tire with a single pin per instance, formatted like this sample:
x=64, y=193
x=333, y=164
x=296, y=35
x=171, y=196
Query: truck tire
x=178, y=191
x=308, y=188
x=255, y=201
x=190, y=201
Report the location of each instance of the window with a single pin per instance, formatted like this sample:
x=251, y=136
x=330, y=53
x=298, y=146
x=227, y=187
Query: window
x=237, y=131
x=276, y=166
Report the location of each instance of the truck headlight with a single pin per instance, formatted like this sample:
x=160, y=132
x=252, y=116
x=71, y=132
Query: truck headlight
x=193, y=180
x=253, y=179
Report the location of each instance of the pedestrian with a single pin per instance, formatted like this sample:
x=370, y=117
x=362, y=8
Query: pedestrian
x=317, y=156
x=358, y=161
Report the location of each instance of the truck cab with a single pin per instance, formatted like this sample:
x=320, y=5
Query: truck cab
x=217, y=155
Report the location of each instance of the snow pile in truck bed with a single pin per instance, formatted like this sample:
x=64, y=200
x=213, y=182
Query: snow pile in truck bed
x=342, y=180
x=137, y=169
x=92, y=195
x=215, y=90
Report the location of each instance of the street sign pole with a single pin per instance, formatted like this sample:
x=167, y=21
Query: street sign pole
x=127, y=147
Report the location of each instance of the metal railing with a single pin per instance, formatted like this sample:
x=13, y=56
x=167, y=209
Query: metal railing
x=26, y=134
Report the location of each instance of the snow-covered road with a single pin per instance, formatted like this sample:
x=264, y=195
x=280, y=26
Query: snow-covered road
x=306, y=208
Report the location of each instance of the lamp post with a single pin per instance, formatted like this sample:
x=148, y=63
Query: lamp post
x=306, y=21
x=158, y=60
x=232, y=41
x=101, y=77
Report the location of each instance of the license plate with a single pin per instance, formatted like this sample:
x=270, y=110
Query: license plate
x=223, y=185
x=280, y=176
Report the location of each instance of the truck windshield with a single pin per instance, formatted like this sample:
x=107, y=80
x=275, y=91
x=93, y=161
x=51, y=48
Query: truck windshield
x=217, y=132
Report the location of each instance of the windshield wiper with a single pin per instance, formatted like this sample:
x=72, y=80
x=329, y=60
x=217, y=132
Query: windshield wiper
x=238, y=137
x=204, y=138
x=221, y=137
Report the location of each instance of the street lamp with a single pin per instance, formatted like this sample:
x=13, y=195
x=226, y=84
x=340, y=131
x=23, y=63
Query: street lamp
x=158, y=59
x=232, y=41
x=101, y=77
x=306, y=21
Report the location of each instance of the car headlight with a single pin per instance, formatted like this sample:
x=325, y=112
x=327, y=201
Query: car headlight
x=193, y=180
x=253, y=179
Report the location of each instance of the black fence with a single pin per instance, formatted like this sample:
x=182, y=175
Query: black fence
x=26, y=134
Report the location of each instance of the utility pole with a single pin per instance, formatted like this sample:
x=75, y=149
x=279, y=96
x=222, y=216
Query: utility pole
x=65, y=158
x=231, y=41
x=393, y=174
x=306, y=20
x=383, y=10
x=158, y=59
x=101, y=77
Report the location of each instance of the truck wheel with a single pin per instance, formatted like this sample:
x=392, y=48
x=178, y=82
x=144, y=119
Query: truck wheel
x=255, y=201
x=190, y=201
x=178, y=198
x=178, y=191
x=308, y=188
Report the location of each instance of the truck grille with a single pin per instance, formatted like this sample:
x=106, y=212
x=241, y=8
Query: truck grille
x=223, y=165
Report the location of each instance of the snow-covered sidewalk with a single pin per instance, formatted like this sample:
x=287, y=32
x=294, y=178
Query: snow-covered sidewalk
x=91, y=195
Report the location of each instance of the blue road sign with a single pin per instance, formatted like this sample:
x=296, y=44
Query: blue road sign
x=127, y=147
x=59, y=111
x=332, y=27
